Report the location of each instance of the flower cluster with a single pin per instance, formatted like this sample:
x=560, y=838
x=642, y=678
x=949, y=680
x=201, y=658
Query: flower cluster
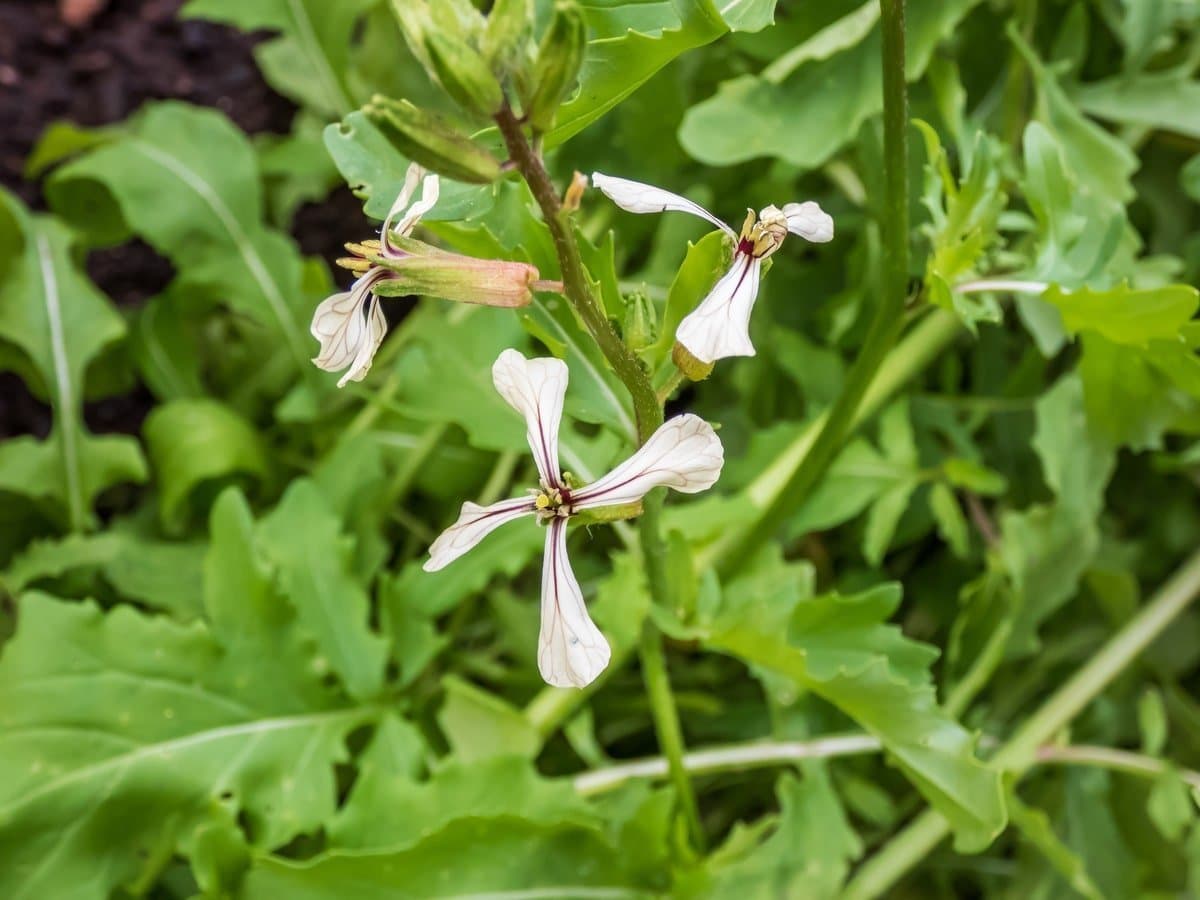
x=684, y=453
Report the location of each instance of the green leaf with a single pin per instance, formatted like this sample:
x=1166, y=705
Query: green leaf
x=407, y=810
x=1102, y=162
x=59, y=322
x=1165, y=100
x=840, y=649
x=807, y=856
x=1127, y=315
x=302, y=538
x=480, y=725
x=375, y=171
x=191, y=442
x=1170, y=805
x=951, y=523
x=807, y=113
x=470, y=857
x=186, y=180
x=124, y=718
x=619, y=62
x=1035, y=827
x=158, y=575
x=307, y=60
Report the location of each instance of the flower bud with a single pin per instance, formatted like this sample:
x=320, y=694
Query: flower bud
x=509, y=26
x=560, y=55
x=693, y=368
x=464, y=74
x=430, y=140
x=601, y=514
x=430, y=272
x=641, y=321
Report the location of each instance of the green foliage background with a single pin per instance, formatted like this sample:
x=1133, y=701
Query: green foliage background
x=223, y=672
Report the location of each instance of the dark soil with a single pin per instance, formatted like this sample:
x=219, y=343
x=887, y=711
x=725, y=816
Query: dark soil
x=98, y=72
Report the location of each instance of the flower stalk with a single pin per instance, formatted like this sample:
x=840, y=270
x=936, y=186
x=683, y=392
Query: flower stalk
x=648, y=414
x=888, y=319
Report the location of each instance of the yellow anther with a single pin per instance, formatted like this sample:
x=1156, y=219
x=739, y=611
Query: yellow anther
x=542, y=502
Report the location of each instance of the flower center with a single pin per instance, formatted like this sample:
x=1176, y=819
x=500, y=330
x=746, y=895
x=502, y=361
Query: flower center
x=551, y=502
x=762, y=234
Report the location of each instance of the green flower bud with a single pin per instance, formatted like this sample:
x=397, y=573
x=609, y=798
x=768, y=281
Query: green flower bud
x=641, y=321
x=464, y=74
x=509, y=29
x=560, y=55
x=432, y=141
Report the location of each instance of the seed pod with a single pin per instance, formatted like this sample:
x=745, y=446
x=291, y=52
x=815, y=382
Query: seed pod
x=641, y=321
x=430, y=140
x=560, y=55
x=509, y=26
x=464, y=74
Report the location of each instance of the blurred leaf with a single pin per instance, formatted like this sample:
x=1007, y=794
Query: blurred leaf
x=951, y=523
x=302, y=539
x=1170, y=805
x=307, y=60
x=469, y=857
x=808, y=855
x=187, y=181
x=162, y=718
x=1035, y=827
x=60, y=323
x=805, y=113
x=480, y=725
x=839, y=648
x=194, y=441
x=1167, y=100
x=1127, y=315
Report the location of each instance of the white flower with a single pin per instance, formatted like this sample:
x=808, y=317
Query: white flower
x=684, y=453
x=351, y=325
x=720, y=325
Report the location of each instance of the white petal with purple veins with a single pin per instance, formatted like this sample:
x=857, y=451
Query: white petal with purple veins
x=684, y=453
x=571, y=650
x=535, y=388
x=808, y=220
x=430, y=189
x=474, y=523
x=720, y=325
x=636, y=197
x=350, y=327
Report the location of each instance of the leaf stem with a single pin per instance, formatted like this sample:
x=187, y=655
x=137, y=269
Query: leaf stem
x=1022, y=751
x=888, y=320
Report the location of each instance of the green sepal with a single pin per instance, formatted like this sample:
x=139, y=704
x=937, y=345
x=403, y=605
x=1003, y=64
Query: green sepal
x=559, y=58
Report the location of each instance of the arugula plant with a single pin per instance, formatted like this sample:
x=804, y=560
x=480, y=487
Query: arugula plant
x=581, y=541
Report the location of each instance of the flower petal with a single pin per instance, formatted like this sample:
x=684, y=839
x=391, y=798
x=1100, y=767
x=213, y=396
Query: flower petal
x=430, y=189
x=720, y=325
x=808, y=220
x=571, y=650
x=350, y=327
x=684, y=453
x=535, y=388
x=474, y=523
x=636, y=197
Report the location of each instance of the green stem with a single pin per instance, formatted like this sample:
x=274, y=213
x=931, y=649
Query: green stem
x=575, y=281
x=888, y=320
x=649, y=414
x=654, y=669
x=882, y=871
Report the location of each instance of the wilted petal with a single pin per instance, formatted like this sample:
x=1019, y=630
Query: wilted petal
x=571, y=650
x=720, y=325
x=535, y=388
x=430, y=188
x=474, y=523
x=684, y=453
x=350, y=327
x=635, y=197
x=808, y=220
